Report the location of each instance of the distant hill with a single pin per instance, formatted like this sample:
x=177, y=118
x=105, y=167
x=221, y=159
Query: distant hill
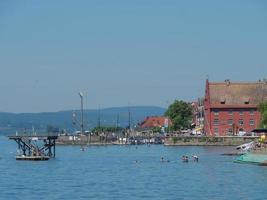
x=10, y=122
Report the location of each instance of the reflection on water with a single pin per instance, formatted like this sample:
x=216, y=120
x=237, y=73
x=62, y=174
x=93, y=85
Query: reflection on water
x=127, y=172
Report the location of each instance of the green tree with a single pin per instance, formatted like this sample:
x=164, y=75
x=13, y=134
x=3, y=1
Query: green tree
x=156, y=129
x=52, y=129
x=100, y=129
x=180, y=113
x=263, y=111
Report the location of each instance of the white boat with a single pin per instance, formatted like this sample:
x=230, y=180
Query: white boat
x=246, y=146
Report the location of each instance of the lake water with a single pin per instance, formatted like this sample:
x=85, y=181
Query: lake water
x=109, y=172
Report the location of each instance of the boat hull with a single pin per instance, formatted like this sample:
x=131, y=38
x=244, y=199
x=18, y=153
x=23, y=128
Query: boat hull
x=252, y=158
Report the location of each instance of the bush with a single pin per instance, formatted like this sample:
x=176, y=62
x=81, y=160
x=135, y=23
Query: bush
x=174, y=140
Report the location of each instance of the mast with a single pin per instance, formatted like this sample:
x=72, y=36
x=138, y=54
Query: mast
x=129, y=119
x=117, y=123
x=82, y=124
x=98, y=124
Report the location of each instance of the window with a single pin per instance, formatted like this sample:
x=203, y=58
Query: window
x=215, y=122
x=230, y=112
x=216, y=113
x=240, y=122
x=230, y=131
x=241, y=112
x=251, y=122
x=251, y=112
x=216, y=131
x=230, y=121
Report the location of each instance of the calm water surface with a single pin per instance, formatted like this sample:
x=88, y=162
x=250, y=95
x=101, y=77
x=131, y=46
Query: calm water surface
x=109, y=172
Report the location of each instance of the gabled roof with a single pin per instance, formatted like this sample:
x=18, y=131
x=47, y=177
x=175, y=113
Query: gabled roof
x=155, y=121
x=245, y=94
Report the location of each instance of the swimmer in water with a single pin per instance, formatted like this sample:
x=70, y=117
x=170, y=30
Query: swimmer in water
x=163, y=161
x=82, y=148
x=185, y=158
x=195, y=158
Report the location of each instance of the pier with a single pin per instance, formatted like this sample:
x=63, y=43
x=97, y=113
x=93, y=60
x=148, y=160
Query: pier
x=35, y=147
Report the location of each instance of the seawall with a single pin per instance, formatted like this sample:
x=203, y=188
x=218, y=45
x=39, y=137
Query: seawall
x=208, y=141
x=82, y=140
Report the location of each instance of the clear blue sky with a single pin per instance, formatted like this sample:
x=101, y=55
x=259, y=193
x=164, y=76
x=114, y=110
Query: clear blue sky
x=120, y=52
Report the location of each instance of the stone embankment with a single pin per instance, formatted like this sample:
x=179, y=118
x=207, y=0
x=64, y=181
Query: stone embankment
x=208, y=141
x=82, y=140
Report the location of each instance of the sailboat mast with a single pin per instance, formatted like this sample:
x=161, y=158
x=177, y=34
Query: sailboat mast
x=99, y=117
x=129, y=118
x=117, y=122
x=82, y=123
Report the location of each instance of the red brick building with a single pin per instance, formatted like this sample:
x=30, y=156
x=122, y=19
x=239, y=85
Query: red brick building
x=230, y=108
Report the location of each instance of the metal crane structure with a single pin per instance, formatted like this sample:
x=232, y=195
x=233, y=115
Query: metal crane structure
x=35, y=147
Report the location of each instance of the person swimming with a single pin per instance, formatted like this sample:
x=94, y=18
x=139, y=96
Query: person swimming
x=82, y=148
x=195, y=158
x=162, y=160
x=185, y=158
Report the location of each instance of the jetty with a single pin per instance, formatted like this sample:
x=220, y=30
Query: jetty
x=35, y=148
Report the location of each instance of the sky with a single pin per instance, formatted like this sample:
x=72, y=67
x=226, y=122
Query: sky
x=125, y=52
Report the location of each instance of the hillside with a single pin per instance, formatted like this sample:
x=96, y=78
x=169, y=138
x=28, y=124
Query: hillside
x=10, y=122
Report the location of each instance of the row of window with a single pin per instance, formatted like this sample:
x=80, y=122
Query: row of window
x=230, y=122
x=230, y=112
x=216, y=130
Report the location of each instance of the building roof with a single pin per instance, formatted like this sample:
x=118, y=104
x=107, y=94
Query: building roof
x=227, y=94
x=155, y=121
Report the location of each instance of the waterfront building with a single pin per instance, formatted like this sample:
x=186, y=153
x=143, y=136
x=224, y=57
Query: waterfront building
x=155, y=121
x=230, y=108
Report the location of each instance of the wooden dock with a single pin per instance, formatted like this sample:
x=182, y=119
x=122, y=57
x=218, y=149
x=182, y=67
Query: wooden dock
x=32, y=158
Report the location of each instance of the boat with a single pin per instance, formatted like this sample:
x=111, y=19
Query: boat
x=252, y=158
x=246, y=146
x=255, y=153
x=241, y=149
